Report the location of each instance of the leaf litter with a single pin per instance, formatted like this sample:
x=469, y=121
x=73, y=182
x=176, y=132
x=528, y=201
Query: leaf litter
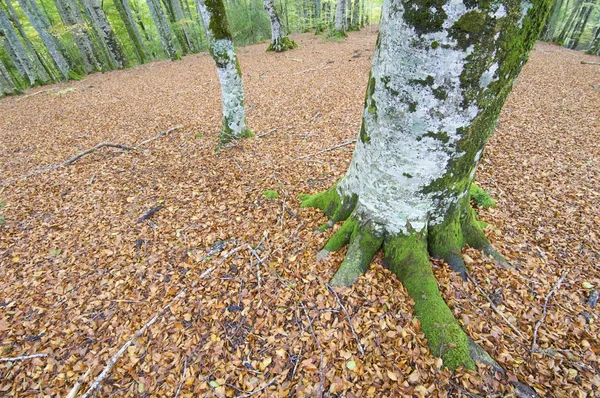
x=79, y=275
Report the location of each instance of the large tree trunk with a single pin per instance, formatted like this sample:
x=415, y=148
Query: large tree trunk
x=340, y=19
x=279, y=41
x=42, y=25
x=132, y=30
x=214, y=20
x=439, y=78
x=164, y=29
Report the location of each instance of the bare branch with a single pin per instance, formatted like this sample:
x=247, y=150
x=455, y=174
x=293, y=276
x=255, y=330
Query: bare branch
x=23, y=358
x=545, y=312
x=331, y=148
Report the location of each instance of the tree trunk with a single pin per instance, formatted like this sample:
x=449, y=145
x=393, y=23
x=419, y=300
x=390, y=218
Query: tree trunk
x=340, y=19
x=580, y=26
x=279, y=41
x=43, y=76
x=188, y=43
x=17, y=51
x=40, y=23
x=164, y=29
x=439, y=78
x=126, y=16
x=355, y=15
x=221, y=48
x=115, y=52
x=548, y=32
x=564, y=34
x=7, y=86
x=595, y=44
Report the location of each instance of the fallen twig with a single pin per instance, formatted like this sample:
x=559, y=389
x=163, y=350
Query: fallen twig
x=111, y=363
x=318, y=343
x=150, y=213
x=100, y=146
x=258, y=390
x=78, y=383
x=545, y=311
x=289, y=127
x=496, y=310
x=331, y=148
x=306, y=71
x=590, y=63
x=182, y=377
x=337, y=298
x=23, y=358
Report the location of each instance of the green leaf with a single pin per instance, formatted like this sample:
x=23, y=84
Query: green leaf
x=214, y=384
x=351, y=365
x=587, y=285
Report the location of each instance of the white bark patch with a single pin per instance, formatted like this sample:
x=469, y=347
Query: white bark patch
x=488, y=76
x=340, y=16
x=409, y=149
x=525, y=7
x=276, y=28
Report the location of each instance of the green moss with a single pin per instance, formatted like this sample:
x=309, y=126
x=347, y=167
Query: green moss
x=364, y=137
x=270, y=194
x=342, y=236
x=218, y=21
x=440, y=93
x=407, y=175
x=337, y=35
x=282, y=45
x=435, y=44
x=445, y=240
x=408, y=258
x=427, y=82
x=481, y=197
x=364, y=244
x=412, y=106
x=441, y=136
x=472, y=232
x=328, y=201
x=425, y=16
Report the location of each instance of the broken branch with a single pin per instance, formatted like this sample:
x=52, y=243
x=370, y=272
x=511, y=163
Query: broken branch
x=337, y=298
x=545, y=311
x=111, y=363
x=23, y=358
x=331, y=148
x=590, y=63
x=150, y=213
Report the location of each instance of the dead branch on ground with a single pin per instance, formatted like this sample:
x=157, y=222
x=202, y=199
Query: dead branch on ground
x=331, y=148
x=545, y=311
x=590, y=63
x=23, y=358
x=289, y=127
x=111, y=363
x=150, y=213
x=337, y=298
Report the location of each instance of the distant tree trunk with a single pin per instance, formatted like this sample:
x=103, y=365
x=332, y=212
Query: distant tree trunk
x=71, y=17
x=182, y=25
x=214, y=20
x=17, y=51
x=115, y=51
x=164, y=29
x=356, y=15
x=573, y=17
x=41, y=24
x=133, y=32
x=340, y=19
x=595, y=44
x=7, y=86
x=548, y=32
x=279, y=41
x=580, y=26
x=40, y=68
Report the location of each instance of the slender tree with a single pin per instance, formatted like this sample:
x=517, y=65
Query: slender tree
x=340, y=19
x=7, y=86
x=180, y=21
x=16, y=50
x=440, y=76
x=355, y=15
x=164, y=29
x=580, y=25
x=279, y=41
x=115, y=52
x=222, y=51
x=570, y=23
x=124, y=10
x=595, y=43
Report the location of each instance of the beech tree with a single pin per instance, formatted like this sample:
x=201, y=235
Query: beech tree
x=279, y=41
x=440, y=75
x=222, y=51
x=340, y=19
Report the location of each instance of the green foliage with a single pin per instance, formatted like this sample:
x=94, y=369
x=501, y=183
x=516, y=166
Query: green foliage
x=198, y=134
x=481, y=197
x=270, y=194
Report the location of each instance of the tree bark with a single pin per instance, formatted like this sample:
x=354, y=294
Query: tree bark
x=180, y=18
x=214, y=20
x=133, y=32
x=115, y=51
x=164, y=29
x=355, y=15
x=17, y=51
x=279, y=41
x=573, y=17
x=439, y=78
x=7, y=86
x=595, y=44
x=340, y=19
x=580, y=26
x=42, y=25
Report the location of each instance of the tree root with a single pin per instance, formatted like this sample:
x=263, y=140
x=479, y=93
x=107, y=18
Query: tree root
x=283, y=44
x=407, y=256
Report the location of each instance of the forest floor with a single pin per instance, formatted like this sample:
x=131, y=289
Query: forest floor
x=79, y=275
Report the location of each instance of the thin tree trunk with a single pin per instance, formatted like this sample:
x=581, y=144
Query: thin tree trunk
x=186, y=37
x=356, y=15
x=595, y=44
x=126, y=16
x=108, y=35
x=279, y=41
x=215, y=24
x=164, y=29
x=573, y=17
x=7, y=86
x=340, y=19
x=550, y=27
x=41, y=24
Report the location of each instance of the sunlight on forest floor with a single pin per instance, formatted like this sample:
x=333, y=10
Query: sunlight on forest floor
x=79, y=275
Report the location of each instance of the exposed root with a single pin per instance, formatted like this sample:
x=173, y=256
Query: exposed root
x=283, y=44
